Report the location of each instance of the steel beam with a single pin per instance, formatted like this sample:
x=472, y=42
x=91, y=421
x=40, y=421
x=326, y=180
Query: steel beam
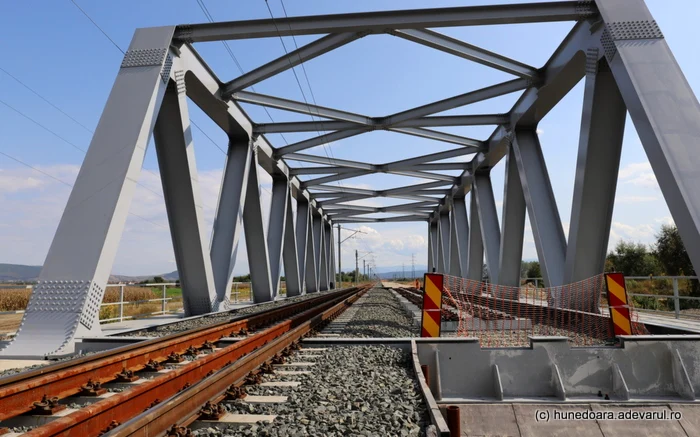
x=424, y=175
x=461, y=223
x=488, y=220
x=276, y=228
x=331, y=256
x=456, y=229
x=512, y=227
x=333, y=178
x=381, y=21
x=303, y=126
x=444, y=255
x=300, y=107
x=404, y=218
x=317, y=230
x=541, y=207
x=304, y=249
x=663, y=107
x=87, y=237
x=317, y=48
x=319, y=140
x=178, y=173
x=460, y=100
x=290, y=253
x=328, y=254
x=319, y=170
x=328, y=161
x=407, y=163
x=439, y=136
x=432, y=246
x=229, y=216
x=455, y=120
x=475, y=260
x=597, y=166
x=256, y=238
x=467, y=51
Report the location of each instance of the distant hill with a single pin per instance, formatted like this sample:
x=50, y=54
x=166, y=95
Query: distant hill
x=22, y=273
x=18, y=272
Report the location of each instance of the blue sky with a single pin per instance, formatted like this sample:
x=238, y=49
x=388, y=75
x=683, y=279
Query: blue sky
x=55, y=50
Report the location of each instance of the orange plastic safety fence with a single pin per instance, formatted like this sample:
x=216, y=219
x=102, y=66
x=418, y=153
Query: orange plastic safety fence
x=502, y=316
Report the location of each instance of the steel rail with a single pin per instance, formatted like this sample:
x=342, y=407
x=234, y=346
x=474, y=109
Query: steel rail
x=183, y=408
x=97, y=417
x=19, y=392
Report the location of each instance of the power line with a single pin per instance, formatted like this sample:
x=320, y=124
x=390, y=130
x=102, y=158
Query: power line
x=46, y=100
x=284, y=46
x=70, y=185
x=98, y=27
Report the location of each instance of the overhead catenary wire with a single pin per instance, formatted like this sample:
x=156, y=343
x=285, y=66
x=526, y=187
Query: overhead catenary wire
x=284, y=46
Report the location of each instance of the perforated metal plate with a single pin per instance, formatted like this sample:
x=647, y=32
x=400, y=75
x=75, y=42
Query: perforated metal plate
x=143, y=58
x=626, y=30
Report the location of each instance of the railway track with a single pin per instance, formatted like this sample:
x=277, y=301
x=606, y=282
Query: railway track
x=161, y=385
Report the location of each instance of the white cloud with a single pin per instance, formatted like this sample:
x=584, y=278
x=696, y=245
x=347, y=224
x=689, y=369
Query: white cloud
x=639, y=174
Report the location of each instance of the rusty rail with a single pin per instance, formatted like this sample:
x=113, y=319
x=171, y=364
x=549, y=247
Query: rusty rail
x=183, y=408
x=19, y=392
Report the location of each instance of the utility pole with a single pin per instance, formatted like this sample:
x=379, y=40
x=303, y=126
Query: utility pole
x=364, y=267
x=413, y=266
x=357, y=268
x=340, y=270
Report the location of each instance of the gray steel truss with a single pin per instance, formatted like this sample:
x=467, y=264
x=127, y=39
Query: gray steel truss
x=614, y=44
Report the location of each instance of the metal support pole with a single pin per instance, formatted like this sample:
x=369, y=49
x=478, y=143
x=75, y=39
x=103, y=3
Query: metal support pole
x=475, y=259
x=256, y=238
x=455, y=255
x=357, y=268
x=512, y=227
x=444, y=243
x=663, y=107
x=276, y=228
x=290, y=252
x=676, y=299
x=461, y=223
x=488, y=220
x=432, y=231
x=597, y=166
x=121, y=303
x=86, y=240
x=303, y=237
x=165, y=293
x=541, y=207
x=340, y=263
x=178, y=171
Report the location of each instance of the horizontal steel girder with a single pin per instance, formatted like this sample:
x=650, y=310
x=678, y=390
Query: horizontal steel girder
x=435, y=121
x=381, y=21
x=302, y=54
x=402, y=218
x=466, y=51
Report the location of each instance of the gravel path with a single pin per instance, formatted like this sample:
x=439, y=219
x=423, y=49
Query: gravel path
x=352, y=391
x=378, y=314
x=164, y=330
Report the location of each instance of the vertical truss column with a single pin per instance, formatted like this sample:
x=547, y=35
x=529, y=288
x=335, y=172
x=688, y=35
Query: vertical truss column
x=444, y=247
x=488, y=220
x=305, y=245
x=456, y=229
x=328, y=244
x=178, y=173
x=322, y=257
x=229, y=215
x=290, y=252
x=663, y=107
x=312, y=255
x=256, y=238
x=541, y=207
x=513, y=226
x=599, y=150
x=432, y=245
x=461, y=224
x=65, y=303
x=334, y=271
x=475, y=258
x=276, y=228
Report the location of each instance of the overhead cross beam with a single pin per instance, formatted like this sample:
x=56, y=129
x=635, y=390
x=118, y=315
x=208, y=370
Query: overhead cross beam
x=381, y=21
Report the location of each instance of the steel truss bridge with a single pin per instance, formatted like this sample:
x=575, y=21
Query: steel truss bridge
x=615, y=46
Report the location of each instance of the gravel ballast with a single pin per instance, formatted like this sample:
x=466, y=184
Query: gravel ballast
x=377, y=314
x=352, y=391
x=198, y=322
